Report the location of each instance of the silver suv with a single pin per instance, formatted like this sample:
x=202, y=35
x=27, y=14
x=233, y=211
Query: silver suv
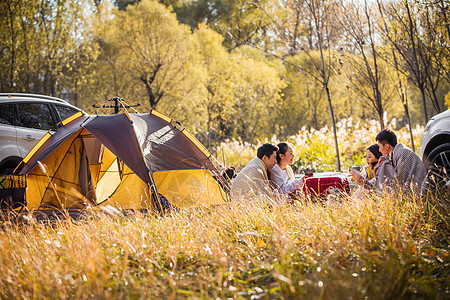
x=435, y=149
x=24, y=120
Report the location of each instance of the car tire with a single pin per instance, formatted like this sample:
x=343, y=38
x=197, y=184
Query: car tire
x=438, y=167
x=9, y=167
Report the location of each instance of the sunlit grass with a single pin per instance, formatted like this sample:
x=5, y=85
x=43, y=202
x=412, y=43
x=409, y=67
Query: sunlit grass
x=379, y=247
x=371, y=246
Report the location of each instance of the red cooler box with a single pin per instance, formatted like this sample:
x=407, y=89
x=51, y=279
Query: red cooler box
x=320, y=185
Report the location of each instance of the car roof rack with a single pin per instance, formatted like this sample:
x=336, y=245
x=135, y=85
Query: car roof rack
x=32, y=96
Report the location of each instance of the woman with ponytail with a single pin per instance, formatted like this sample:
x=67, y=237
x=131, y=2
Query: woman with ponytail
x=281, y=174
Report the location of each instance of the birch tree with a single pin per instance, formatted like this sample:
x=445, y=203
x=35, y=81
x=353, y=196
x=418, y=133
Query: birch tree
x=320, y=15
x=364, y=71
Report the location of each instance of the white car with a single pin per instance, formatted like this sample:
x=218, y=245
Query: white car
x=435, y=149
x=24, y=119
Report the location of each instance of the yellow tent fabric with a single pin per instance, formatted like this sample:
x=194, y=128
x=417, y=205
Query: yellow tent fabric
x=189, y=188
x=131, y=193
x=68, y=184
x=108, y=183
x=39, y=178
x=82, y=167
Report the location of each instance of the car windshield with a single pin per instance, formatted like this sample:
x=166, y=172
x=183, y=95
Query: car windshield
x=65, y=111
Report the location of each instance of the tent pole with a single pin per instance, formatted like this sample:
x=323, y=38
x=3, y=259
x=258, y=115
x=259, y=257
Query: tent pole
x=116, y=105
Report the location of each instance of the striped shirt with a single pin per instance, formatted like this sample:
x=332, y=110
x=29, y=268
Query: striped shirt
x=401, y=169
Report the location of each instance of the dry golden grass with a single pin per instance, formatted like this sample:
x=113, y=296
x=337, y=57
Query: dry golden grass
x=376, y=247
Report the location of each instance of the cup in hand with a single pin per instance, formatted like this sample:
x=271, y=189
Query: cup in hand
x=357, y=168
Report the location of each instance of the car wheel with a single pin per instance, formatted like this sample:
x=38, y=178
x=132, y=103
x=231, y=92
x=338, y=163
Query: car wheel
x=438, y=166
x=9, y=167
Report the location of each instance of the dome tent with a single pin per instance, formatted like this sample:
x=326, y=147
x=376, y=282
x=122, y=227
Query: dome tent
x=123, y=160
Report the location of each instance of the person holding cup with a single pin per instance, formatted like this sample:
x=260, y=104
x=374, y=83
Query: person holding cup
x=281, y=174
x=367, y=178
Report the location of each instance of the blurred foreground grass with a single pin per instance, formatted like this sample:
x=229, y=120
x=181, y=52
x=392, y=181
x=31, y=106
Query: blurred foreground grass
x=367, y=248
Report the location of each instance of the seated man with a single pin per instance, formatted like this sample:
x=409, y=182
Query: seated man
x=253, y=179
x=399, y=166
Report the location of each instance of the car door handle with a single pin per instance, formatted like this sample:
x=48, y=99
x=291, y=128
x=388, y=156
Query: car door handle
x=29, y=138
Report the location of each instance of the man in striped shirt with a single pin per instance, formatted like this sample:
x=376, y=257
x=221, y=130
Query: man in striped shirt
x=400, y=169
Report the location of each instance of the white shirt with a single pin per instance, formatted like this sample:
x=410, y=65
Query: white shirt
x=282, y=181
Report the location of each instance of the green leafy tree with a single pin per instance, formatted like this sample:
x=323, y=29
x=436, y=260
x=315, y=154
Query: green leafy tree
x=153, y=55
x=123, y=4
x=410, y=28
x=303, y=101
x=256, y=93
x=40, y=43
x=219, y=78
x=238, y=21
x=320, y=14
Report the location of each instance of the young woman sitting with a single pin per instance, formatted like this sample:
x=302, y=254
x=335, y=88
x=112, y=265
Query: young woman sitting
x=281, y=174
x=367, y=179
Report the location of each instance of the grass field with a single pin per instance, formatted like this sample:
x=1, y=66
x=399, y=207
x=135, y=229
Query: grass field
x=367, y=248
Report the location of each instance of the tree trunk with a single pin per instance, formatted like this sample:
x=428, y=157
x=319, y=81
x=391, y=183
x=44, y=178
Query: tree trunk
x=330, y=106
x=404, y=100
x=151, y=95
x=416, y=62
x=380, y=117
x=375, y=76
x=432, y=87
x=13, y=46
x=333, y=122
x=424, y=103
x=447, y=25
x=208, y=129
x=293, y=49
x=405, y=106
x=327, y=91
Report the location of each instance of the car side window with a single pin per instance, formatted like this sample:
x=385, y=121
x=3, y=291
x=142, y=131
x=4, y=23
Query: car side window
x=35, y=115
x=6, y=114
x=65, y=111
